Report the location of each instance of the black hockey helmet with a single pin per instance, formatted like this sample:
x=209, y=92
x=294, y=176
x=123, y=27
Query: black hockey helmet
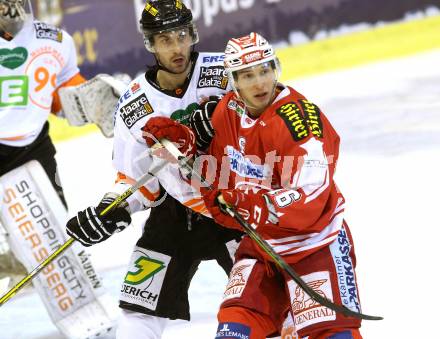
x=159, y=16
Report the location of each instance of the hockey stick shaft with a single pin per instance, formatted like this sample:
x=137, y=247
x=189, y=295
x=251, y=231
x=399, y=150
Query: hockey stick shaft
x=266, y=247
x=139, y=183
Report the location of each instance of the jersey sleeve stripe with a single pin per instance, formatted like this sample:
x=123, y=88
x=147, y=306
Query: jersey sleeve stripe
x=77, y=79
x=328, y=234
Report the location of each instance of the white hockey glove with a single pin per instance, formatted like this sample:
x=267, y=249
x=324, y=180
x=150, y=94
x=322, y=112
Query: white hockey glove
x=200, y=121
x=89, y=228
x=93, y=101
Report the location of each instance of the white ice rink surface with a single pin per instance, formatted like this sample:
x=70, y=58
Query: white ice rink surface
x=388, y=117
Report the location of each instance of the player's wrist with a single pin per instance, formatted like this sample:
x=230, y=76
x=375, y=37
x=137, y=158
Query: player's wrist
x=108, y=199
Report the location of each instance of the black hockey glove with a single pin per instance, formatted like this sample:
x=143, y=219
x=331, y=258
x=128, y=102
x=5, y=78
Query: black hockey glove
x=200, y=121
x=89, y=228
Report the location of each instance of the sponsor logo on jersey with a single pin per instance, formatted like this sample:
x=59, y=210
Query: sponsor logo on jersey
x=236, y=107
x=233, y=330
x=306, y=310
x=288, y=331
x=143, y=283
x=135, y=110
x=340, y=250
x=124, y=97
x=238, y=278
x=14, y=90
x=44, y=63
x=242, y=166
x=13, y=58
x=294, y=120
x=147, y=267
x=182, y=115
x=213, y=58
x=140, y=295
x=45, y=31
x=135, y=87
x=242, y=143
x=212, y=76
x=313, y=118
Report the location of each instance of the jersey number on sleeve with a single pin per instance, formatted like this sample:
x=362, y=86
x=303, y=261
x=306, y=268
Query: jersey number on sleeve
x=284, y=198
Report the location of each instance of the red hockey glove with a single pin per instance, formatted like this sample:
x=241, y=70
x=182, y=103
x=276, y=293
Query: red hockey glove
x=161, y=127
x=211, y=203
x=251, y=206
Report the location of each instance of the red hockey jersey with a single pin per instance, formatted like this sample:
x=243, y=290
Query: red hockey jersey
x=289, y=153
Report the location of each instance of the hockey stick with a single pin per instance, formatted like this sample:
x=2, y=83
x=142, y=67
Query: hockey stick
x=183, y=162
x=121, y=198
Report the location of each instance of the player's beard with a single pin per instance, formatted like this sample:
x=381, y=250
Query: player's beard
x=171, y=66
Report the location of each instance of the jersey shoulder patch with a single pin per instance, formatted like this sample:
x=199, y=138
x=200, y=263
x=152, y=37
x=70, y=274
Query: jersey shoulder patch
x=46, y=31
x=212, y=71
x=134, y=109
x=130, y=91
x=312, y=115
x=294, y=120
x=302, y=118
x=212, y=58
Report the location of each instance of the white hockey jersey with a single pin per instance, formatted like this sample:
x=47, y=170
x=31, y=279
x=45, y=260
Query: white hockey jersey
x=144, y=100
x=33, y=64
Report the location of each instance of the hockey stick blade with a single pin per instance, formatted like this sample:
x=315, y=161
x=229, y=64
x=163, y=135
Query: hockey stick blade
x=121, y=198
x=266, y=247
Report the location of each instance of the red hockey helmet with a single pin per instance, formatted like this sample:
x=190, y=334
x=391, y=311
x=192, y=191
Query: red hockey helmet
x=254, y=55
x=247, y=51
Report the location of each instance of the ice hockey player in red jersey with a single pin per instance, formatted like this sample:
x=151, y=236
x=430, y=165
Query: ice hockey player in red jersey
x=179, y=233
x=280, y=152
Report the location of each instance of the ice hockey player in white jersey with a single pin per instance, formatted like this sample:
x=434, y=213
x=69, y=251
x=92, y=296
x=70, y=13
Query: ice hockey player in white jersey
x=177, y=236
x=37, y=59
x=37, y=62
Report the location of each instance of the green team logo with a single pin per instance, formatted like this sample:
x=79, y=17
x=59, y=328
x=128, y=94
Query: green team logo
x=147, y=267
x=14, y=90
x=182, y=115
x=13, y=58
